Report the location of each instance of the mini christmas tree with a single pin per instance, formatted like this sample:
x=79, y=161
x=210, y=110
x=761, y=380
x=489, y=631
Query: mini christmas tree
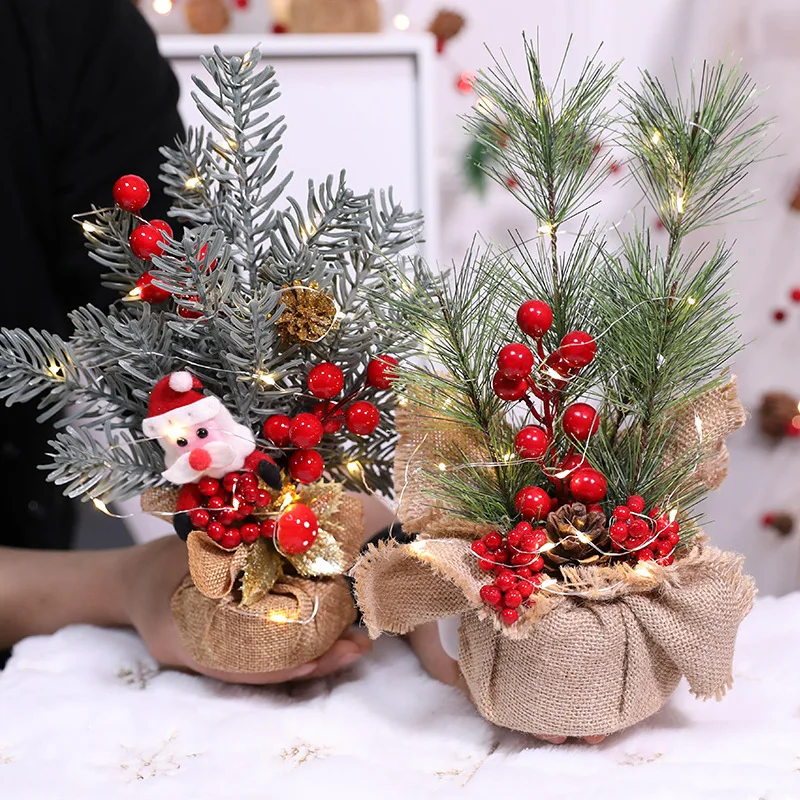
x=570, y=406
x=244, y=346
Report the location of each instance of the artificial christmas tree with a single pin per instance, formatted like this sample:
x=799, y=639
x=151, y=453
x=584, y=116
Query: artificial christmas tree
x=245, y=351
x=568, y=412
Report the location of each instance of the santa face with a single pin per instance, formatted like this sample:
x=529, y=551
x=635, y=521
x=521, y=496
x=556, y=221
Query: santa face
x=210, y=448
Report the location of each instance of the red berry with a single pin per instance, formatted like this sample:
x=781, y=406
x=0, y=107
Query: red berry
x=664, y=548
x=305, y=431
x=509, y=615
x=479, y=548
x=515, y=361
x=162, y=226
x=325, y=380
x=529, y=543
x=490, y=594
x=248, y=479
x=622, y=514
x=504, y=581
x=645, y=555
x=145, y=241
x=306, y=466
x=501, y=555
x=249, y=494
x=531, y=442
x=795, y=295
x=588, y=485
x=619, y=532
x=595, y=507
x=577, y=349
x=362, y=418
x=508, y=388
x=665, y=561
x=580, y=421
x=525, y=589
x=534, y=318
x=532, y=502
x=635, y=503
x=208, y=487
x=250, y=532
x=486, y=564
x=653, y=512
x=638, y=529
x=199, y=518
x=332, y=418
x=189, y=313
x=231, y=538
x=227, y=516
x=215, y=530
x=268, y=528
x=537, y=565
x=514, y=537
x=492, y=540
x=297, y=529
x=779, y=315
x=557, y=370
x=380, y=373
x=524, y=527
x=512, y=598
x=149, y=293
x=276, y=430
x=131, y=193
x=230, y=480
x=521, y=559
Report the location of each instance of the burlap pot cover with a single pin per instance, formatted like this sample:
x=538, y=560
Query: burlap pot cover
x=335, y=16
x=296, y=622
x=573, y=665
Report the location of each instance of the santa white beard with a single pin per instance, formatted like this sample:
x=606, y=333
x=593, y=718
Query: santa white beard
x=226, y=456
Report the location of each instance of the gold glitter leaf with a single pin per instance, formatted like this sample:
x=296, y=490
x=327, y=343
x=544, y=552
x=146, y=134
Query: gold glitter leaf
x=309, y=313
x=324, y=557
x=262, y=570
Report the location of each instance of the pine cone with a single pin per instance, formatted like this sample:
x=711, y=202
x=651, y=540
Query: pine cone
x=578, y=535
x=776, y=413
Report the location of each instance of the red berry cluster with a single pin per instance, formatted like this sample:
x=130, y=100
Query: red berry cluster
x=541, y=376
x=305, y=431
x=131, y=193
x=648, y=537
x=228, y=505
x=515, y=561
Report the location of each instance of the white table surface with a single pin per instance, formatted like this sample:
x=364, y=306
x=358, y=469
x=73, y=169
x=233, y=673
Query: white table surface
x=85, y=714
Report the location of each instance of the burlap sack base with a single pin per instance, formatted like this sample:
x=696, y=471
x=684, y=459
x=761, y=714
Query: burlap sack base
x=571, y=666
x=220, y=635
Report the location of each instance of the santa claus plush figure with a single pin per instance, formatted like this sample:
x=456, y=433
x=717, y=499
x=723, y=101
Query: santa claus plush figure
x=200, y=439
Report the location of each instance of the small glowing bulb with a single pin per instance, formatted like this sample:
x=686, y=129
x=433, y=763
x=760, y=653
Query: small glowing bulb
x=656, y=137
x=417, y=548
x=698, y=425
x=307, y=232
x=484, y=105
x=691, y=300
x=403, y=401
x=673, y=514
x=401, y=22
x=644, y=569
x=679, y=203
x=547, y=583
x=507, y=457
x=547, y=546
x=276, y=616
x=353, y=467
x=88, y=227
x=545, y=230
x=175, y=432
x=162, y=6
x=582, y=537
x=100, y=505
x=562, y=474
x=54, y=370
x=134, y=294
x=798, y=407
x=442, y=466
x=266, y=378
x=193, y=183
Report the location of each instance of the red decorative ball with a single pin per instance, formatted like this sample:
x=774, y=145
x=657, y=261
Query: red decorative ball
x=508, y=388
x=588, y=485
x=297, y=530
x=231, y=539
x=618, y=532
x=208, y=486
x=268, y=527
x=795, y=295
x=534, y=318
x=531, y=442
x=362, y=418
x=190, y=313
x=491, y=594
x=532, y=502
x=306, y=466
x=515, y=361
x=380, y=373
x=556, y=370
x=622, y=513
x=162, y=226
x=325, y=380
x=509, y=615
x=230, y=481
x=199, y=518
x=250, y=532
x=493, y=540
x=305, y=431
x=276, y=430
x=331, y=420
x=145, y=241
x=635, y=503
x=149, y=293
x=131, y=193
x=580, y=421
x=577, y=349
x=466, y=81
x=263, y=498
x=215, y=530
x=779, y=315
x=512, y=598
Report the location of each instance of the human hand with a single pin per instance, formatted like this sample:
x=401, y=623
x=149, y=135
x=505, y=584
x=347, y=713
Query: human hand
x=427, y=644
x=150, y=575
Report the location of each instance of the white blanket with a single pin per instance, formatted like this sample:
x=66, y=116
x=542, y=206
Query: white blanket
x=85, y=714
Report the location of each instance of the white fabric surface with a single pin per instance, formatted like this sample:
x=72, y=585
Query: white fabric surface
x=85, y=714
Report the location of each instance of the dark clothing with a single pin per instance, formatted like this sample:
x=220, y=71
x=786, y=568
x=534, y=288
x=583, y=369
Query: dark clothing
x=88, y=99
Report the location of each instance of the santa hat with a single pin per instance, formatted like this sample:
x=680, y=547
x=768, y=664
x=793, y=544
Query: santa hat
x=178, y=401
